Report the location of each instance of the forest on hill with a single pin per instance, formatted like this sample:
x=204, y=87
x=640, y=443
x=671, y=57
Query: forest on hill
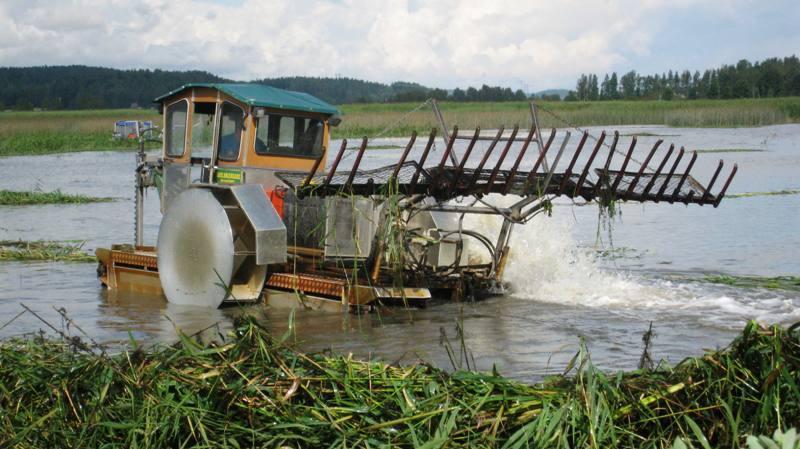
x=83, y=87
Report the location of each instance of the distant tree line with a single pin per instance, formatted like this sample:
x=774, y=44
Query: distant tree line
x=485, y=93
x=82, y=87
x=774, y=77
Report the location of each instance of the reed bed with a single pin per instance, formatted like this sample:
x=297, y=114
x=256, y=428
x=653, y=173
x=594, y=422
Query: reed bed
x=62, y=131
x=369, y=119
x=253, y=391
x=774, y=282
x=25, y=198
x=23, y=133
x=771, y=193
x=41, y=250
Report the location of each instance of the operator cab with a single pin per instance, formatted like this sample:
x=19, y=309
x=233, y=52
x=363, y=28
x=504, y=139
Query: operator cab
x=219, y=133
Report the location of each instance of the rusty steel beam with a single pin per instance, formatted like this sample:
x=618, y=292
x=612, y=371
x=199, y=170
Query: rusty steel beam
x=683, y=178
x=603, y=174
x=568, y=173
x=501, y=159
x=624, y=165
x=644, y=166
x=513, y=173
x=542, y=154
x=357, y=162
x=652, y=181
x=486, y=155
x=555, y=162
x=707, y=190
x=588, y=165
x=721, y=194
x=611, y=151
x=448, y=148
x=313, y=171
x=421, y=162
x=404, y=155
x=660, y=193
x=335, y=163
x=688, y=198
x=467, y=153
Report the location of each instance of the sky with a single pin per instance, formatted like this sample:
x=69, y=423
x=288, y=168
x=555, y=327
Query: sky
x=530, y=45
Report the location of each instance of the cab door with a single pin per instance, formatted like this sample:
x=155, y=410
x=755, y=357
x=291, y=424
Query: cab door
x=228, y=149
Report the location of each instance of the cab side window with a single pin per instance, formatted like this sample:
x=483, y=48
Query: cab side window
x=289, y=136
x=175, y=137
x=230, y=132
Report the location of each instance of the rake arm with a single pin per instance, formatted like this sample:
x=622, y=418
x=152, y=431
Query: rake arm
x=580, y=179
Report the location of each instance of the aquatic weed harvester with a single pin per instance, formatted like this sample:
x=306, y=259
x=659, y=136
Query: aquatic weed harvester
x=251, y=213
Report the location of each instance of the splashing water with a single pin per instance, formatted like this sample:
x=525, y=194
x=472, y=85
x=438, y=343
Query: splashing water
x=547, y=265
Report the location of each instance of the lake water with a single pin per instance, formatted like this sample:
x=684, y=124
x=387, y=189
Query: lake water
x=560, y=290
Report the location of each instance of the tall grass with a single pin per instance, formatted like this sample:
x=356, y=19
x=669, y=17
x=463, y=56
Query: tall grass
x=60, y=131
x=252, y=391
x=65, y=131
x=361, y=119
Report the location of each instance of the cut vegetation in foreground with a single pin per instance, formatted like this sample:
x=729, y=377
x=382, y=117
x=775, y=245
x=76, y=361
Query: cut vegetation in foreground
x=17, y=198
x=20, y=250
x=254, y=392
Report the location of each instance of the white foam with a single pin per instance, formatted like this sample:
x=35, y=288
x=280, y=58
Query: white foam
x=547, y=265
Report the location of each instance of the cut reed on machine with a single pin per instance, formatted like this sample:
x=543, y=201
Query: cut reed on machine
x=254, y=391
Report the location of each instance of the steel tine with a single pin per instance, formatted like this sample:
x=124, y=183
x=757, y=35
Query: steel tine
x=541, y=157
x=707, y=190
x=502, y=158
x=586, y=168
x=335, y=163
x=663, y=163
x=721, y=194
x=611, y=151
x=624, y=165
x=476, y=174
x=604, y=173
x=568, y=173
x=357, y=162
x=464, y=159
x=404, y=155
x=688, y=198
x=660, y=194
x=644, y=166
x=683, y=178
x=555, y=162
x=313, y=171
x=421, y=162
x=513, y=173
x=449, y=148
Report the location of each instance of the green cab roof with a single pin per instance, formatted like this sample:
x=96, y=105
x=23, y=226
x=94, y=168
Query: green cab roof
x=260, y=95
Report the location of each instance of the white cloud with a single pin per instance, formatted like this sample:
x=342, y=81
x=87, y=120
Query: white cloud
x=447, y=43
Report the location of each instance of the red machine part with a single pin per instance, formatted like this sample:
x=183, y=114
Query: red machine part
x=276, y=196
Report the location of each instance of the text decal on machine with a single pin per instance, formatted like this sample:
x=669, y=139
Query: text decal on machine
x=228, y=176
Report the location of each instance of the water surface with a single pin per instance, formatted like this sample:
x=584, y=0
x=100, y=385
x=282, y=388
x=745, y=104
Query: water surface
x=559, y=291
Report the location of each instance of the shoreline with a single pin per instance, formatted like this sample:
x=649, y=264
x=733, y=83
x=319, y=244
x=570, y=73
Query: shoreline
x=52, y=132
